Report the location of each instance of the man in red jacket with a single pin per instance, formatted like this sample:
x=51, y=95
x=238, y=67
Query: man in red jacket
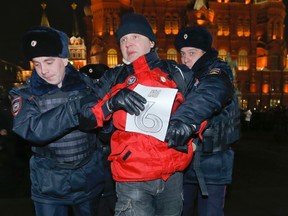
x=147, y=172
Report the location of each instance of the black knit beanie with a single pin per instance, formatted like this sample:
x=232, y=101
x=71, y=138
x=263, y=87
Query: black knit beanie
x=135, y=23
x=197, y=37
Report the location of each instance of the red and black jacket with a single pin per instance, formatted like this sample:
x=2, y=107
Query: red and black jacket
x=136, y=156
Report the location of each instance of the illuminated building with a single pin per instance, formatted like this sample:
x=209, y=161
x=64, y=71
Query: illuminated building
x=250, y=34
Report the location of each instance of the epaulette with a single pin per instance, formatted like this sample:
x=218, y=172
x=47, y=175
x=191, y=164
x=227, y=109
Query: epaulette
x=215, y=71
x=21, y=86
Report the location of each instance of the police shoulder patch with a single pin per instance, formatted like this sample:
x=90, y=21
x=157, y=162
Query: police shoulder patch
x=215, y=71
x=16, y=105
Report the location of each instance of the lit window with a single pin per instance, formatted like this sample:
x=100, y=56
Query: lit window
x=167, y=25
x=261, y=61
x=112, y=59
x=244, y=103
x=175, y=26
x=172, y=54
x=223, y=27
x=242, y=60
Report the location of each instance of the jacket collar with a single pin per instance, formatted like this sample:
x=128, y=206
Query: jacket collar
x=73, y=80
x=201, y=66
x=145, y=62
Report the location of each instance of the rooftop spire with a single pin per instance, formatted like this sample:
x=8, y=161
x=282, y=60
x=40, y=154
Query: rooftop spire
x=44, y=19
x=75, y=28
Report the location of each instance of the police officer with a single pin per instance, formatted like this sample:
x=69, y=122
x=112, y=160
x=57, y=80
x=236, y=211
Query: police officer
x=106, y=204
x=66, y=168
x=212, y=98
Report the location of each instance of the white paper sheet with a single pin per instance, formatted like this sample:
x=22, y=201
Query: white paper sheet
x=154, y=119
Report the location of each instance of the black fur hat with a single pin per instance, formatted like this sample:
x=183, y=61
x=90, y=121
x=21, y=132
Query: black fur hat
x=196, y=36
x=45, y=41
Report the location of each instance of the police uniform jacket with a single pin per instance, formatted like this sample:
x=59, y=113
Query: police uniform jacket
x=211, y=97
x=65, y=167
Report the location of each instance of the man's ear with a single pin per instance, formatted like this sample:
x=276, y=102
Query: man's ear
x=65, y=61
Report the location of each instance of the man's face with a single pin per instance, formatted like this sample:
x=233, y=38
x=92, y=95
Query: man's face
x=189, y=55
x=135, y=45
x=51, y=69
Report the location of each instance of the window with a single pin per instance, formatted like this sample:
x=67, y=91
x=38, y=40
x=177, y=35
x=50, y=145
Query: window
x=175, y=26
x=242, y=60
x=223, y=27
x=261, y=61
x=172, y=54
x=171, y=25
x=244, y=103
x=112, y=59
x=167, y=25
x=274, y=102
x=243, y=27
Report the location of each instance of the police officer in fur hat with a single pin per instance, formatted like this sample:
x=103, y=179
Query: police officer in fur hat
x=94, y=71
x=66, y=166
x=106, y=204
x=211, y=98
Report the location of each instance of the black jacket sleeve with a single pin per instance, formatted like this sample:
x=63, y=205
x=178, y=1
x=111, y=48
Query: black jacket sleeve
x=213, y=92
x=42, y=127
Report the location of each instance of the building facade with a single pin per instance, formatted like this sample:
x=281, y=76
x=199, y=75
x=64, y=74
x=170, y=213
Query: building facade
x=249, y=34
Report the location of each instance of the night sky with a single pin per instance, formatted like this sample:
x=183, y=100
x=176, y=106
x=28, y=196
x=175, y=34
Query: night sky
x=17, y=16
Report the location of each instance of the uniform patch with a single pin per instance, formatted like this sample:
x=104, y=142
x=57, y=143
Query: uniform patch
x=131, y=80
x=16, y=105
x=215, y=71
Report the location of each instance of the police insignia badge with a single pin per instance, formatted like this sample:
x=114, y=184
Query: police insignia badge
x=16, y=105
x=185, y=36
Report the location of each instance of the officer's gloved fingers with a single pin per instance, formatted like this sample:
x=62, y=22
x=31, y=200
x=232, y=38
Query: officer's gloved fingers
x=171, y=143
x=183, y=149
x=174, y=142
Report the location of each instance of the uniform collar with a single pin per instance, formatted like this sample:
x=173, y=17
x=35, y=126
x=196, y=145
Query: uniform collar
x=73, y=80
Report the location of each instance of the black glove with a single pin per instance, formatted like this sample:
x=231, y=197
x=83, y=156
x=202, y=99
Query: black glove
x=88, y=99
x=128, y=100
x=178, y=135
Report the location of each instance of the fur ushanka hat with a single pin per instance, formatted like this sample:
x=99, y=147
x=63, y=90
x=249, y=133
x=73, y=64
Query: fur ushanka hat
x=45, y=41
x=196, y=36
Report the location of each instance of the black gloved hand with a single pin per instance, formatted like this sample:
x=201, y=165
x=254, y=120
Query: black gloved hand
x=128, y=100
x=88, y=99
x=178, y=135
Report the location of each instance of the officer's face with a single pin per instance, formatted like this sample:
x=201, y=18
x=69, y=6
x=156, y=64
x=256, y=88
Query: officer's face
x=189, y=55
x=135, y=45
x=51, y=69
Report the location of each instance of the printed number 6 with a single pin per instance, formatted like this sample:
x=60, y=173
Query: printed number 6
x=148, y=122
